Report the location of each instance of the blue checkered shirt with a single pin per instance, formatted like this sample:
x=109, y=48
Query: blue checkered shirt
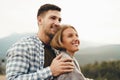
x=25, y=61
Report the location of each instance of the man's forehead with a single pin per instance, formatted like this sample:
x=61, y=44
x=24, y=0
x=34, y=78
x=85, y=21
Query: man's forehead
x=53, y=13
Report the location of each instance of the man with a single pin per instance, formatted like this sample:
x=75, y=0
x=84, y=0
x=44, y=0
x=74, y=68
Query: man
x=32, y=58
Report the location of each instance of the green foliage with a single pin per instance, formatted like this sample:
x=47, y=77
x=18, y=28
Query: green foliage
x=102, y=71
x=2, y=70
x=2, y=66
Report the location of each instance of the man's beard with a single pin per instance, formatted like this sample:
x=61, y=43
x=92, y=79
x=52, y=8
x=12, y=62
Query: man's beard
x=51, y=36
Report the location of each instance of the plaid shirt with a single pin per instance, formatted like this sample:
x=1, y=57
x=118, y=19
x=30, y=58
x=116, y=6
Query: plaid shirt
x=25, y=61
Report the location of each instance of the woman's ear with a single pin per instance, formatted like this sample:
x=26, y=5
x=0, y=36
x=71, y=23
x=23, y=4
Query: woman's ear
x=62, y=46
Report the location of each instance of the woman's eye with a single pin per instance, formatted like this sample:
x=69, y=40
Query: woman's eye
x=70, y=35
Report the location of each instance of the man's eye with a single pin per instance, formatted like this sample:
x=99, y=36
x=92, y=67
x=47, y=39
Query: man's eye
x=53, y=18
x=60, y=20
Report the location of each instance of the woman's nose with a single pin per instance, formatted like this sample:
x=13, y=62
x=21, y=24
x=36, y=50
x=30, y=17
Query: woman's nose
x=77, y=39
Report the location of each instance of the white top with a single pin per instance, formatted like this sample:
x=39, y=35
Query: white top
x=75, y=74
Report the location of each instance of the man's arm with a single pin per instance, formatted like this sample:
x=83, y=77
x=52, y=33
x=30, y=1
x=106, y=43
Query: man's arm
x=18, y=65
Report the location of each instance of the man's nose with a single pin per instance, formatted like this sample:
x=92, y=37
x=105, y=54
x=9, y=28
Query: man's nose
x=57, y=22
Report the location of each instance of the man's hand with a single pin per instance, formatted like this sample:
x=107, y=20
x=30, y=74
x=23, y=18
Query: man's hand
x=61, y=65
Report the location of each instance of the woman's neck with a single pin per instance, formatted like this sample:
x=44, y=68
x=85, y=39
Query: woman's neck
x=70, y=53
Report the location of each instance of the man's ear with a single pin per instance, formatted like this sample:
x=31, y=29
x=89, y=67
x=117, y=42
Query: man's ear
x=39, y=19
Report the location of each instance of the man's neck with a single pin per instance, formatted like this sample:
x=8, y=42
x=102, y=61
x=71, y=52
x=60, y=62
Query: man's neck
x=45, y=39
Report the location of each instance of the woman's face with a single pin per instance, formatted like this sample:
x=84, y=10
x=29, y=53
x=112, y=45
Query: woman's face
x=70, y=40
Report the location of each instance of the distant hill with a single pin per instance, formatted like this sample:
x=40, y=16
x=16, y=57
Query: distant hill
x=101, y=53
x=89, y=52
x=6, y=42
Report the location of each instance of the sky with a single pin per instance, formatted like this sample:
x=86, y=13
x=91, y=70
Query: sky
x=95, y=20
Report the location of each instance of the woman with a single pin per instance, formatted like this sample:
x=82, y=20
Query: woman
x=67, y=43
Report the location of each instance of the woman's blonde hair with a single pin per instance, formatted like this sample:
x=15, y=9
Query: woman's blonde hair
x=56, y=42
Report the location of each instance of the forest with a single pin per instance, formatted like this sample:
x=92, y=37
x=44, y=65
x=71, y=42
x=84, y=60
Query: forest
x=106, y=70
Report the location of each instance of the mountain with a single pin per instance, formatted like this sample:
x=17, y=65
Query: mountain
x=89, y=51
x=6, y=42
x=98, y=54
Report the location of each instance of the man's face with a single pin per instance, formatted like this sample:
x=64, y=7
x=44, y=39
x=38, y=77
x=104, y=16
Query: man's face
x=50, y=23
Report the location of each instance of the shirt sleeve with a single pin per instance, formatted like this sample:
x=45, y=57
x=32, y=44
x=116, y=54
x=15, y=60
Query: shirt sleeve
x=17, y=67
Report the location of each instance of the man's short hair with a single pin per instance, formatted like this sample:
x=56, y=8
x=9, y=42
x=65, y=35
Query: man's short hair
x=47, y=7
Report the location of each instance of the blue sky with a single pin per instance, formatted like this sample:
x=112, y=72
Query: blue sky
x=95, y=20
